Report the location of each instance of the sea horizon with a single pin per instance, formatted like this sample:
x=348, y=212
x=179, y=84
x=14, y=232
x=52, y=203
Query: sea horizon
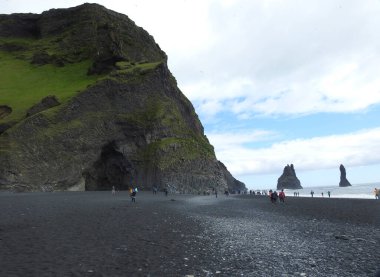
x=362, y=191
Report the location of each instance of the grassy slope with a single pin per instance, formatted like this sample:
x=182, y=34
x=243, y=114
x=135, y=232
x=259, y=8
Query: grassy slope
x=22, y=84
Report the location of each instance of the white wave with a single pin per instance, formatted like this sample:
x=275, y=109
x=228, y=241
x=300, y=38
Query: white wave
x=365, y=191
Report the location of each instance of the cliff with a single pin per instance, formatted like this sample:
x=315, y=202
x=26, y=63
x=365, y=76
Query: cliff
x=88, y=102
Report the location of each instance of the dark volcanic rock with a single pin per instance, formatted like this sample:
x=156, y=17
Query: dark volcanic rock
x=5, y=111
x=133, y=127
x=233, y=184
x=288, y=179
x=46, y=103
x=343, y=179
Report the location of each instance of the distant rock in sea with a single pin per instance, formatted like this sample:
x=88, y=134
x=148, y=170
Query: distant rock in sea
x=288, y=179
x=343, y=180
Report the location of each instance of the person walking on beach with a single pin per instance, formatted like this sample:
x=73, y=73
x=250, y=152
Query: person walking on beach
x=216, y=194
x=329, y=193
x=376, y=192
x=113, y=190
x=312, y=193
x=281, y=195
x=133, y=196
x=275, y=196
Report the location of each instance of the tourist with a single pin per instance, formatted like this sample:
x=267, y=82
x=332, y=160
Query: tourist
x=312, y=193
x=133, y=195
x=216, y=194
x=329, y=193
x=322, y=194
x=376, y=192
x=274, y=196
x=282, y=196
x=113, y=190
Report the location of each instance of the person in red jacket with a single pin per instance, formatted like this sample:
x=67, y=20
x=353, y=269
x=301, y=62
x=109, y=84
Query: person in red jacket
x=281, y=195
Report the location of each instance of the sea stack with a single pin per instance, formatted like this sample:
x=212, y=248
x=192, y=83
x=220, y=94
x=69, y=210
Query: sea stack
x=288, y=179
x=343, y=180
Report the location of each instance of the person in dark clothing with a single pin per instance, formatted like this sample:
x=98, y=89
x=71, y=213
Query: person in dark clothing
x=133, y=196
x=274, y=196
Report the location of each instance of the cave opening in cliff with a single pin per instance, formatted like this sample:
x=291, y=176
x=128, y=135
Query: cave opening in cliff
x=111, y=169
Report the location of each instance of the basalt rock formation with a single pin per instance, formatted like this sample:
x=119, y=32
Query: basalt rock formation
x=288, y=179
x=117, y=117
x=343, y=179
x=233, y=184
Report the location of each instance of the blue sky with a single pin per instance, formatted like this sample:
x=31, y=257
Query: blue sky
x=273, y=82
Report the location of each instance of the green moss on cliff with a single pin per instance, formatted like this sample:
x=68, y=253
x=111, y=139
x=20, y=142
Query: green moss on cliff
x=23, y=85
x=167, y=152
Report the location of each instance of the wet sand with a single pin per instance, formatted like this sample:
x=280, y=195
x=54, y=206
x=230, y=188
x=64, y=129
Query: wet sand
x=97, y=234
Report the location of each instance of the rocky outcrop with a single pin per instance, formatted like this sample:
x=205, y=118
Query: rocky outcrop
x=5, y=111
x=132, y=127
x=288, y=179
x=46, y=103
x=343, y=179
x=233, y=184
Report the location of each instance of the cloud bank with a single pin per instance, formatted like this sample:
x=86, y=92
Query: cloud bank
x=285, y=58
x=353, y=149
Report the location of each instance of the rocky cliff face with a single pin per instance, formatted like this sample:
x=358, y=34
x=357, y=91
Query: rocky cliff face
x=288, y=179
x=343, y=179
x=132, y=126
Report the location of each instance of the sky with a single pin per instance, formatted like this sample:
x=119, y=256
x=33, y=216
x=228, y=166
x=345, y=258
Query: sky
x=273, y=82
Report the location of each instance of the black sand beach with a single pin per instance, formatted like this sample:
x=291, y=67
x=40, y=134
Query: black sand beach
x=97, y=234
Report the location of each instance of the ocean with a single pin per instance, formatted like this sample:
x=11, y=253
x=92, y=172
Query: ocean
x=355, y=191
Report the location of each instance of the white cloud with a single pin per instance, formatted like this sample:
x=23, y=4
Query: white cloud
x=238, y=139
x=287, y=58
x=353, y=149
